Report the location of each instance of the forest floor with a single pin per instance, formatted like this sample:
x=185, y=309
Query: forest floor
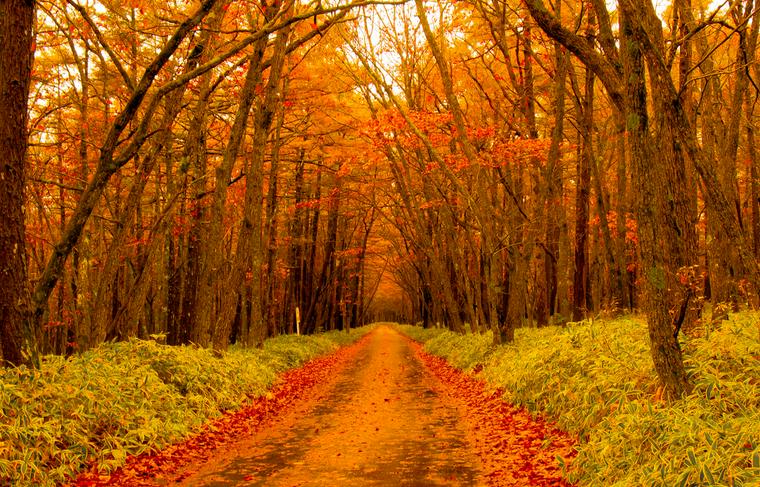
x=379, y=412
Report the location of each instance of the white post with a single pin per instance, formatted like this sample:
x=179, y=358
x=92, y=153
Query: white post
x=298, y=321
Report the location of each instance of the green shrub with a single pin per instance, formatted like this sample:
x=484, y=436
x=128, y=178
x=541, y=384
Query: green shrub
x=463, y=351
x=130, y=397
x=420, y=334
x=596, y=380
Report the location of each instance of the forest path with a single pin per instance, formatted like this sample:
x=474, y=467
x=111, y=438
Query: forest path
x=384, y=419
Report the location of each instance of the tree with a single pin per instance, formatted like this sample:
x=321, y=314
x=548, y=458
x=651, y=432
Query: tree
x=214, y=173
x=623, y=71
x=16, y=53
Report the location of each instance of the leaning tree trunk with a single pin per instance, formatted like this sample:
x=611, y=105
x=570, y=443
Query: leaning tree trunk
x=109, y=162
x=651, y=179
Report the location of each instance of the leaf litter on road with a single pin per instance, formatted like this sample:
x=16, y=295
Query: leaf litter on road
x=170, y=464
x=379, y=412
x=515, y=448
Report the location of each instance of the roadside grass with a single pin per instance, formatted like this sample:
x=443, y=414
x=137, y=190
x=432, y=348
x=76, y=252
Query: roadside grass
x=130, y=397
x=595, y=379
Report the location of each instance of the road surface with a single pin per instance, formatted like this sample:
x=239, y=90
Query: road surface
x=381, y=421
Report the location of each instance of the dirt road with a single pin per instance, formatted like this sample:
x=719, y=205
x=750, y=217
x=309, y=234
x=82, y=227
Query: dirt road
x=380, y=412
x=381, y=421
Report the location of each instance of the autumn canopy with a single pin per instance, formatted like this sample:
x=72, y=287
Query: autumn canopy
x=223, y=171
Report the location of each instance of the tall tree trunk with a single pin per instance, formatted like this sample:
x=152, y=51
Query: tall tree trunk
x=321, y=308
x=271, y=282
x=309, y=278
x=583, y=188
x=17, y=334
x=554, y=170
x=185, y=253
x=130, y=217
x=749, y=47
x=754, y=192
x=650, y=177
x=296, y=250
x=626, y=269
x=250, y=251
x=207, y=317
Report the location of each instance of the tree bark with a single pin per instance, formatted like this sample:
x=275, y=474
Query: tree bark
x=626, y=85
x=250, y=250
x=583, y=181
x=651, y=178
x=109, y=163
x=554, y=170
x=17, y=334
x=211, y=274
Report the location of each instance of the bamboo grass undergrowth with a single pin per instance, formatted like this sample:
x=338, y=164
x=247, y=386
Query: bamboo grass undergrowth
x=595, y=379
x=126, y=398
